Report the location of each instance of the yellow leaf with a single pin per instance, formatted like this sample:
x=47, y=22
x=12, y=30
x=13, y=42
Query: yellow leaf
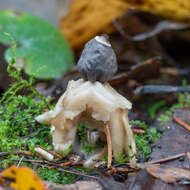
x=178, y=10
x=22, y=178
x=88, y=18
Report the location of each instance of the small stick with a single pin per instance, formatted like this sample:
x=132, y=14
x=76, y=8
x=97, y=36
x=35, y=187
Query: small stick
x=108, y=136
x=68, y=163
x=76, y=173
x=182, y=123
x=34, y=161
x=160, y=89
x=20, y=161
x=121, y=170
x=58, y=167
x=138, y=131
x=166, y=159
x=28, y=153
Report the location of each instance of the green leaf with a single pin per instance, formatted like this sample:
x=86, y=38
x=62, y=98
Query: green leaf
x=41, y=47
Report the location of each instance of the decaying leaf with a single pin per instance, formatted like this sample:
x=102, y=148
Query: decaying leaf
x=86, y=18
x=173, y=9
x=22, y=178
x=169, y=174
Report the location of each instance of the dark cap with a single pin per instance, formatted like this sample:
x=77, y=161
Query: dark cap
x=98, y=60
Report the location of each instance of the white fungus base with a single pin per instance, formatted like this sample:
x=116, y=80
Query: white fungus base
x=96, y=104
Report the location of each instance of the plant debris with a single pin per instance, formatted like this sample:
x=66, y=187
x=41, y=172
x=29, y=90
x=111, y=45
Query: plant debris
x=158, y=89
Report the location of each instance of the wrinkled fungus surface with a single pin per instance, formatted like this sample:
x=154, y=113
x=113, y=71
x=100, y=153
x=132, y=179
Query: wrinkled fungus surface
x=96, y=104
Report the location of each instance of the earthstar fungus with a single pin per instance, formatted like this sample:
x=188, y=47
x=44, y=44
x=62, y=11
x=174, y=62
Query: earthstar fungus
x=98, y=105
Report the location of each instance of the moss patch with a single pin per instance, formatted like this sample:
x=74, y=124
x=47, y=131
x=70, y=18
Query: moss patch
x=143, y=141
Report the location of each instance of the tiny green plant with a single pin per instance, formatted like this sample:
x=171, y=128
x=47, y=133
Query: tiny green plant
x=143, y=141
x=155, y=107
x=55, y=176
x=18, y=128
x=183, y=101
x=122, y=159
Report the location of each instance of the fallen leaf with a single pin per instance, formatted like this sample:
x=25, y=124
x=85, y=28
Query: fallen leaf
x=22, y=178
x=143, y=180
x=178, y=10
x=87, y=18
x=41, y=50
x=169, y=174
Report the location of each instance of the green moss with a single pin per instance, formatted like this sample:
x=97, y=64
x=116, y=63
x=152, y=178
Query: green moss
x=60, y=177
x=55, y=176
x=123, y=158
x=155, y=107
x=143, y=141
x=183, y=101
x=18, y=128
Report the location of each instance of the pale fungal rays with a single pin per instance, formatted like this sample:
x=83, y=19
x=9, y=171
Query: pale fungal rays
x=97, y=105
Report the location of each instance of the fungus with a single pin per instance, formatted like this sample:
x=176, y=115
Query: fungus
x=105, y=113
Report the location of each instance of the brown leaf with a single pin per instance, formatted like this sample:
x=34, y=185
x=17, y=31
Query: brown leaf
x=169, y=174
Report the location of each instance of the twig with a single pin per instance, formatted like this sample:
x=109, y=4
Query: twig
x=20, y=161
x=182, y=123
x=121, y=170
x=61, y=168
x=119, y=28
x=108, y=136
x=27, y=153
x=166, y=159
x=58, y=167
x=34, y=161
x=160, y=89
x=138, y=131
x=68, y=163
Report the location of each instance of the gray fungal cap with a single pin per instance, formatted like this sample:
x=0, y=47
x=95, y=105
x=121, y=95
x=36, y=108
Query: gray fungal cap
x=98, y=60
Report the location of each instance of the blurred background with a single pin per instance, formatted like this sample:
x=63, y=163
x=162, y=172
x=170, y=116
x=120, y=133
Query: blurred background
x=49, y=10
